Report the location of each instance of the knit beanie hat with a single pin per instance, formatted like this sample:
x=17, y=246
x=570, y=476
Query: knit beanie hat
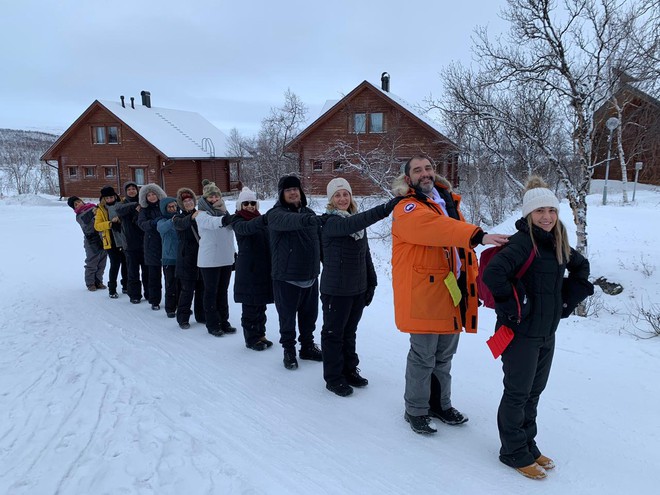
x=538, y=195
x=247, y=194
x=335, y=185
x=108, y=191
x=209, y=189
x=71, y=201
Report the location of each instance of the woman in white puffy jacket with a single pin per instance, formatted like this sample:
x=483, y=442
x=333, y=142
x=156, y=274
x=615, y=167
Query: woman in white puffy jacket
x=215, y=258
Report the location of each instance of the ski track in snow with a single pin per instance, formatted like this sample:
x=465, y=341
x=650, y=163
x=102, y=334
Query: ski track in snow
x=101, y=396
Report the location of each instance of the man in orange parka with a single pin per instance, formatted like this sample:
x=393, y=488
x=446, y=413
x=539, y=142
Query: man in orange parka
x=435, y=296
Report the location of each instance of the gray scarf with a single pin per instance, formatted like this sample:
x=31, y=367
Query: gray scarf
x=216, y=210
x=355, y=235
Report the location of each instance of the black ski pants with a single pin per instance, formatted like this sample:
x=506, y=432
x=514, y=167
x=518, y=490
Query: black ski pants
x=253, y=321
x=292, y=301
x=135, y=263
x=191, y=289
x=341, y=315
x=172, y=288
x=117, y=264
x=526, y=363
x=216, y=302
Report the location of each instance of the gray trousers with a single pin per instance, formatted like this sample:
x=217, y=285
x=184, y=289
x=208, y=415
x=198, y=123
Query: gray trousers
x=95, y=259
x=430, y=354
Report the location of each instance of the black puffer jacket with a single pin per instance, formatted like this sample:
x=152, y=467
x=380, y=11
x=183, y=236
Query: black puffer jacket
x=295, y=242
x=147, y=220
x=127, y=211
x=347, y=266
x=542, y=282
x=186, y=256
x=253, y=283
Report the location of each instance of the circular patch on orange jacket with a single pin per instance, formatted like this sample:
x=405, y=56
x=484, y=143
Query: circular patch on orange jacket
x=409, y=207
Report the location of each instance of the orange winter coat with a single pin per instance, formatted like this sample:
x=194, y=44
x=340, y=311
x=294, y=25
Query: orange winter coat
x=422, y=258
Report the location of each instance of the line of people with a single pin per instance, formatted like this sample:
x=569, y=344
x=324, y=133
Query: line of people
x=434, y=268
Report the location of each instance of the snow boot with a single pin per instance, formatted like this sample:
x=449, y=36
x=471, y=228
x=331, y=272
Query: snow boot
x=257, y=346
x=290, y=361
x=420, y=424
x=355, y=380
x=533, y=471
x=342, y=389
x=91, y=288
x=311, y=352
x=227, y=328
x=545, y=462
x=184, y=326
x=449, y=416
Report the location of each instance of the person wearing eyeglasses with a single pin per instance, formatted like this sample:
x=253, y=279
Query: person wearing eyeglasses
x=295, y=246
x=253, y=285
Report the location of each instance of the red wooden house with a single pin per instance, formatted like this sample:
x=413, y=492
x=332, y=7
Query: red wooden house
x=113, y=142
x=640, y=127
x=365, y=137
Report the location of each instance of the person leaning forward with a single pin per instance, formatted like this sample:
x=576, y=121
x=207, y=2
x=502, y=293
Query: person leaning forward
x=434, y=269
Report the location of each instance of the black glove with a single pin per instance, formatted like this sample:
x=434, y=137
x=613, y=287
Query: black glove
x=227, y=219
x=573, y=292
x=312, y=219
x=389, y=206
x=369, y=295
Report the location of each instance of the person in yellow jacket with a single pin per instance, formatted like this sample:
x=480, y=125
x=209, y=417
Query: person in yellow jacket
x=434, y=269
x=109, y=225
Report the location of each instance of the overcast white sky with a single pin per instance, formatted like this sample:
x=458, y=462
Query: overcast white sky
x=228, y=60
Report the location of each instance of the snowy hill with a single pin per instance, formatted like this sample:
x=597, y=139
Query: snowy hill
x=101, y=396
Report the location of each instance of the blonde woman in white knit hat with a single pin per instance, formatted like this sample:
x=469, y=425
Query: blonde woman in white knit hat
x=532, y=308
x=253, y=285
x=348, y=282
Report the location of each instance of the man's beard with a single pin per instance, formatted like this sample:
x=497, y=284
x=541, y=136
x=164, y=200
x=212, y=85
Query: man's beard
x=425, y=188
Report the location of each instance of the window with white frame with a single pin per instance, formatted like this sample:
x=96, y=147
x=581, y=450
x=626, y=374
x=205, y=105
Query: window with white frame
x=360, y=123
x=317, y=165
x=139, y=175
x=376, y=123
x=98, y=135
x=110, y=172
x=73, y=172
x=113, y=134
x=89, y=172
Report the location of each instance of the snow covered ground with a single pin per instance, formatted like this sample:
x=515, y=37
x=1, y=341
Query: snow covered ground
x=101, y=396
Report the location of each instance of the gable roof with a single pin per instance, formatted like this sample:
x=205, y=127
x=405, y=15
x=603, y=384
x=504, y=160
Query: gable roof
x=176, y=134
x=331, y=107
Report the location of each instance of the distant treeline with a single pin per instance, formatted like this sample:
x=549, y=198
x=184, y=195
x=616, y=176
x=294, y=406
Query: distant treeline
x=21, y=172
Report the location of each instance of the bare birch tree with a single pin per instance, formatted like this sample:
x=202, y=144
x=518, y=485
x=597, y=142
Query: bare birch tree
x=559, y=59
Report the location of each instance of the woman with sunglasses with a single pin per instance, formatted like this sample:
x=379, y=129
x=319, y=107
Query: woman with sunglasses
x=253, y=286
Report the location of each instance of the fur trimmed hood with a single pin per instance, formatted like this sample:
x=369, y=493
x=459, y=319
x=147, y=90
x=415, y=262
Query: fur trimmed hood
x=401, y=188
x=179, y=196
x=146, y=189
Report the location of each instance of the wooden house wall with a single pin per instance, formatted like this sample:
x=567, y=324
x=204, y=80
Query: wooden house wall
x=640, y=138
x=414, y=138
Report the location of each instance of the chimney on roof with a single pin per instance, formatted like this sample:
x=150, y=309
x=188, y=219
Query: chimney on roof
x=132, y=102
x=146, y=98
x=385, y=82
x=123, y=105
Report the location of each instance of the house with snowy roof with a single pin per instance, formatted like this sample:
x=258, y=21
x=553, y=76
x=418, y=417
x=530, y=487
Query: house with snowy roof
x=113, y=142
x=365, y=137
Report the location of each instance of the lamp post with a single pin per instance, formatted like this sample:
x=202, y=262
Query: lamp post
x=612, y=123
x=638, y=167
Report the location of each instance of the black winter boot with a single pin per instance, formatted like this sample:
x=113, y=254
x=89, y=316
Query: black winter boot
x=290, y=361
x=353, y=378
x=311, y=352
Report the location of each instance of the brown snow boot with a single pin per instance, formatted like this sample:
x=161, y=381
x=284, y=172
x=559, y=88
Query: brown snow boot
x=545, y=462
x=533, y=471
